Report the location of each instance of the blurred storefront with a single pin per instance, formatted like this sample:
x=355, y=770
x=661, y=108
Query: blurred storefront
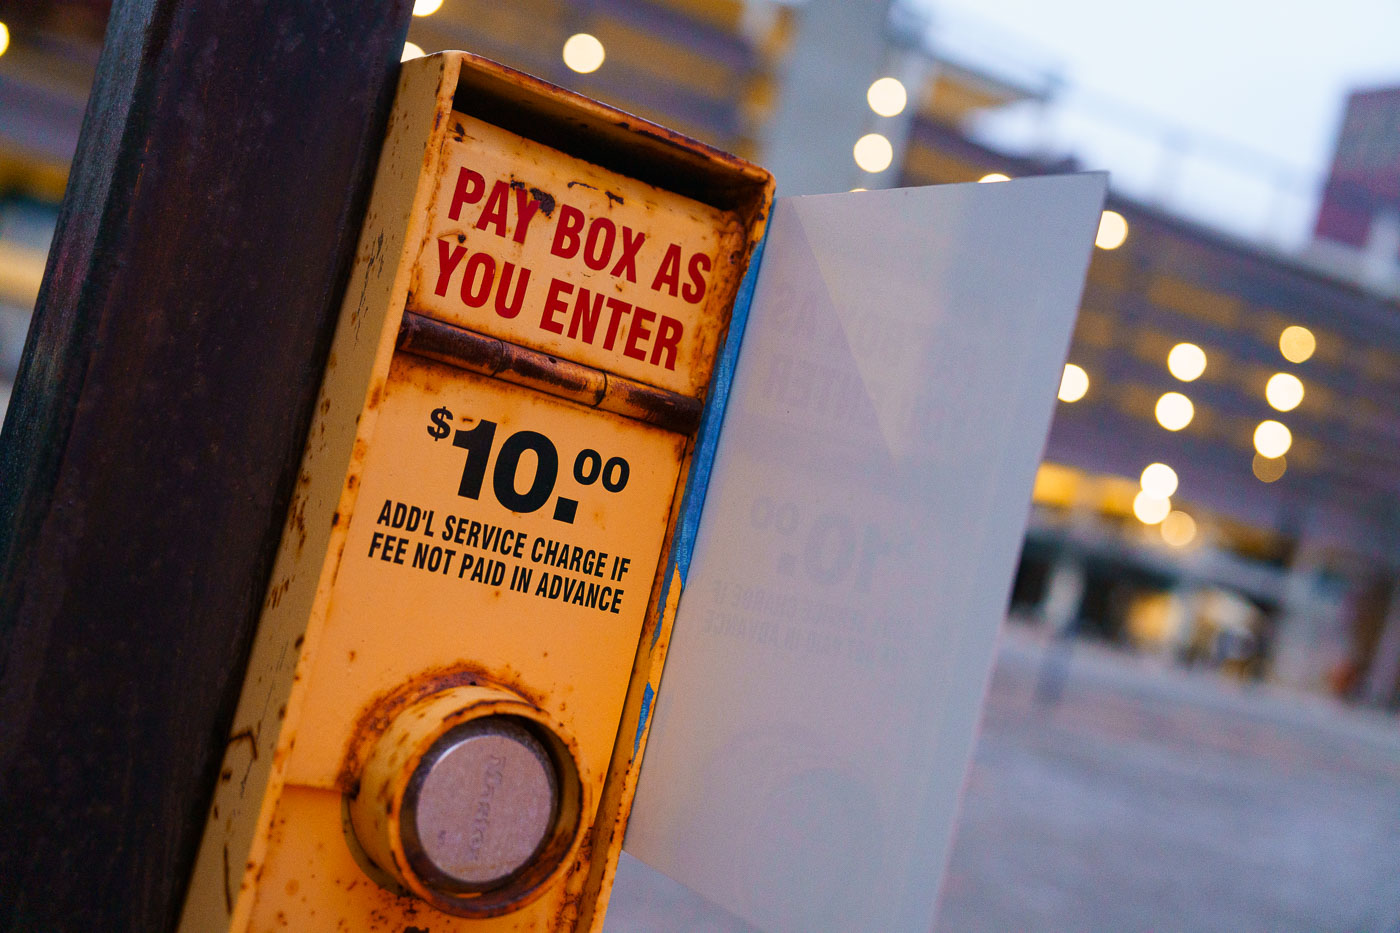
x=1265, y=382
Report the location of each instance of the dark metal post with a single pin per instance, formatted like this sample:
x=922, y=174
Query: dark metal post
x=156, y=425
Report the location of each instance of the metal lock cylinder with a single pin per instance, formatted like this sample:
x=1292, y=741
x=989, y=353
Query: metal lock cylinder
x=471, y=800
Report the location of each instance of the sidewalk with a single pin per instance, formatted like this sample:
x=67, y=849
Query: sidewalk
x=1159, y=799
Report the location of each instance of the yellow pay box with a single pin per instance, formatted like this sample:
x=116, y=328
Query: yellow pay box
x=449, y=689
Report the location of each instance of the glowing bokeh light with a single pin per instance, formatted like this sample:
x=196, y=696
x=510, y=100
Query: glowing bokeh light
x=1178, y=529
x=1150, y=509
x=411, y=50
x=4, y=38
x=993, y=177
x=1174, y=411
x=1159, y=480
x=1113, y=230
x=887, y=97
x=426, y=7
x=873, y=153
x=1272, y=439
x=1269, y=469
x=1186, y=361
x=583, y=53
x=1074, y=383
x=1284, y=391
x=1297, y=344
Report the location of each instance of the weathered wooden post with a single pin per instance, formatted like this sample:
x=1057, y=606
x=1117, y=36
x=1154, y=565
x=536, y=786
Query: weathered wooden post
x=151, y=447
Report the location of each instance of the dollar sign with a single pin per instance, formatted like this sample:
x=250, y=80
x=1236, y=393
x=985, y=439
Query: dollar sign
x=440, y=426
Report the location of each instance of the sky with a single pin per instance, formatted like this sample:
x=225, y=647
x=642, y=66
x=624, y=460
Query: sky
x=1259, y=87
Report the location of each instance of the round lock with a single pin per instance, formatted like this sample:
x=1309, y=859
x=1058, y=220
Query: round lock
x=480, y=805
x=471, y=800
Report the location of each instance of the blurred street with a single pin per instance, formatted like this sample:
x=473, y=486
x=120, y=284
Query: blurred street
x=1150, y=798
x=1147, y=798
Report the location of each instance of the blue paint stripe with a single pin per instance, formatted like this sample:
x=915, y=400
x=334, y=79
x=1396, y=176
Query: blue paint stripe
x=707, y=439
x=647, y=696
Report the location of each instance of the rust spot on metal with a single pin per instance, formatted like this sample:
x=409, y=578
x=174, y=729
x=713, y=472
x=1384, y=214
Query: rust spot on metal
x=275, y=594
x=545, y=201
x=582, y=184
x=245, y=735
x=550, y=374
x=379, y=713
x=301, y=639
x=669, y=410
x=615, y=198
x=566, y=917
x=228, y=894
x=297, y=520
x=225, y=775
x=465, y=349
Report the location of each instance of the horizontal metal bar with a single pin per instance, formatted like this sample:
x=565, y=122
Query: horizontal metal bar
x=490, y=356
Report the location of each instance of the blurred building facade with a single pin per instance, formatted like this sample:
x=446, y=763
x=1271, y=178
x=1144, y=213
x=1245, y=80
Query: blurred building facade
x=1358, y=223
x=1281, y=566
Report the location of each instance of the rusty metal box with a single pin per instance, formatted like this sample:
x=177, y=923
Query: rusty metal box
x=449, y=692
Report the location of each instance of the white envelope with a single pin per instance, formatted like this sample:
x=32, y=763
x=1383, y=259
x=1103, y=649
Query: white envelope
x=869, y=494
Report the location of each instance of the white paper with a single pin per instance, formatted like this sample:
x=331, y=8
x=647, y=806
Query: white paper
x=856, y=549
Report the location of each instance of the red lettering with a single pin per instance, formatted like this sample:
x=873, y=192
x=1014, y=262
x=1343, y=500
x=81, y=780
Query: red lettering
x=470, y=185
x=627, y=265
x=596, y=254
x=504, y=306
x=526, y=207
x=586, y=313
x=494, y=213
x=566, y=231
x=669, y=275
x=694, y=290
x=668, y=336
x=449, y=255
x=637, y=333
x=554, y=304
x=474, y=296
x=619, y=310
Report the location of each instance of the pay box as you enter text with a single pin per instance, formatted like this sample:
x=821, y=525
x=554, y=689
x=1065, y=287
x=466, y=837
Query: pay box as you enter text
x=448, y=696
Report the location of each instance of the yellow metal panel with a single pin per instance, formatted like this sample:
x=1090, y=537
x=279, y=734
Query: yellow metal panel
x=309, y=860
x=421, y=590
x=552, y=252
